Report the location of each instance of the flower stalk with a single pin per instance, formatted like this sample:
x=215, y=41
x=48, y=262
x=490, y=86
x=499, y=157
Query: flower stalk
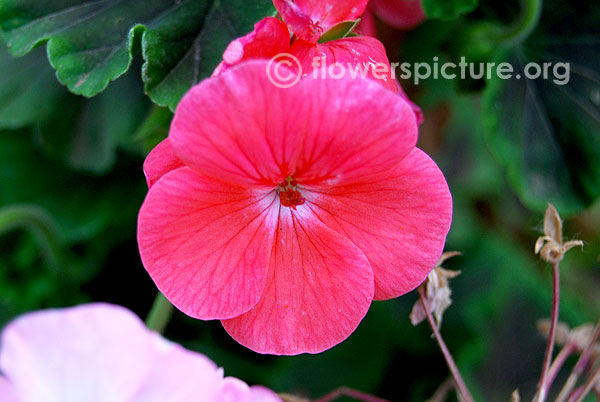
x=587, y=387
x=579, y=367
x=351, y=393
x=552, y=249
x=160, y=314
x=544, y=383
x=559, y=361
x=460, y=383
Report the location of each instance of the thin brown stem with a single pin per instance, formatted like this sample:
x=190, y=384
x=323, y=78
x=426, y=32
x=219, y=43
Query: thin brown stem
x=441, y=394
x=559, y=361
x=593, y=380
x=579, y=366
x=460, y=383
x=544, y=385
x=351, y=393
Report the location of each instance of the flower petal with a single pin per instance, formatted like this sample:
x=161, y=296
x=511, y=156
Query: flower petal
x=364, y=55
x=7, y=391
x=100, y=352
x=179, y=375
x=400, y=221
x=243, y=129
x=68, y=354
x=308, y=19
x=160, y=161
x=416, y=108
x=400, y=14
x=368, y=24
x=235, y=390
x=269, y=38
x=206, y=243
x=262, y=394
x=319, y=288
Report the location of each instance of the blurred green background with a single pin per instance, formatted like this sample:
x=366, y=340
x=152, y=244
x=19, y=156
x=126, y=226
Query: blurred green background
x=71, y=184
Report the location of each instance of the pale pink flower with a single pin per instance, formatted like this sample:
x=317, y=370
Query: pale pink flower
x=104, y=353
x=291, y=209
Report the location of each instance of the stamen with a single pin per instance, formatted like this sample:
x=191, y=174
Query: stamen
x=289, y=194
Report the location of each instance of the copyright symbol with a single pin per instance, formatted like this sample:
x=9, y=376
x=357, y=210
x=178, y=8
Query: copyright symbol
x=284, y=70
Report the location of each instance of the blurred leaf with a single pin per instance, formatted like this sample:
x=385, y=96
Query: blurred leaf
x=27, y=282
x=39, y=223
x=448, y=9
x=28, y=89
x=545, y=134
x=92, y=215
x=154, y=129
x=85, y=133
x=81, y=204
x=91, y=43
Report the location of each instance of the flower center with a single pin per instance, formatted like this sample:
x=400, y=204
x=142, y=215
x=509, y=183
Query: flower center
x=289, y=194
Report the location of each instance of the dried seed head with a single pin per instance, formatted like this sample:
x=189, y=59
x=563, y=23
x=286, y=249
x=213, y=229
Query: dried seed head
x=437, y=292
x=550, y=247
x=580, y=337
x=562, y=331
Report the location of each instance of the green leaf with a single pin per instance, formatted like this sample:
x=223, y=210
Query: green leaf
x=545, y=134
x=93, y=42
x=185, y=47
x=448, y=9
x=339, y=31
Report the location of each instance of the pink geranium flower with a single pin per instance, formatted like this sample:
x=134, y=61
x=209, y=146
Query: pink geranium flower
x=309, y=19
x=104, y=353
x=285, y=212
x=271, y=37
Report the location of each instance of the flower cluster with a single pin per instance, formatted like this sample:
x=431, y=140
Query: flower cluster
x=284, y=212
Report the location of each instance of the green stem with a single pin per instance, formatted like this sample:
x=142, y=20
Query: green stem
x=160, y=314
x=516, y=33
x=40, y=224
